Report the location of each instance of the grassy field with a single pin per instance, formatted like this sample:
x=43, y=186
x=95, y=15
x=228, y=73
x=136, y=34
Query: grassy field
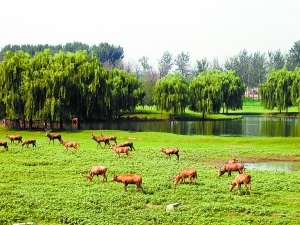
x=48, y=185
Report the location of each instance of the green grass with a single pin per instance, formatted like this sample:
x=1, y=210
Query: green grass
x=48, y=185
x=250, y=107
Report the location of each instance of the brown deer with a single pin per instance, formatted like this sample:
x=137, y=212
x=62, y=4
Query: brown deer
x=110, y=138
x=100, y=139
x=231, y=167
x=129, y=179
x=119, y=150
x=127, y=144
x=14, y=138
x=188, y=172
x=28, y=142
x=52, y=136
x=97, y=170
x=70, y=144
x=171, y=151
x=4, y=144
x=239, y=180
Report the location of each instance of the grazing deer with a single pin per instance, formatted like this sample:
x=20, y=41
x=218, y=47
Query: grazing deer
x=188, y=172
x=171, y=151
x=231, y=167
x=97, y=170
x=4, y=144
x=239, y=180
x=52, y=136
x=28, y=142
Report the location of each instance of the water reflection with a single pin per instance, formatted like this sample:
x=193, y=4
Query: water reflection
x=248, y=126
x=274, y=166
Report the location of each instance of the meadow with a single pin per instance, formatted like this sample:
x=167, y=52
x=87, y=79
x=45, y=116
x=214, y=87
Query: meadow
x=48, y=185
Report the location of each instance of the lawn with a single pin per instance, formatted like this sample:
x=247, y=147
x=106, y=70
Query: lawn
x=48, y=185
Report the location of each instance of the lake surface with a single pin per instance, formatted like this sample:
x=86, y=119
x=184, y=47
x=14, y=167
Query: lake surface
x=248, y=126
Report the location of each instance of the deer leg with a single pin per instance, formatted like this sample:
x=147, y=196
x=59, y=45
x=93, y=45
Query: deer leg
x=239, y=189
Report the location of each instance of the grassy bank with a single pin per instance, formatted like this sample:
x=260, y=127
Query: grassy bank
x=48, y=185
x=250, y=107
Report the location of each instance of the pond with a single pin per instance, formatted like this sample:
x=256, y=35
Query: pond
x=247, y=126
x=273, y=166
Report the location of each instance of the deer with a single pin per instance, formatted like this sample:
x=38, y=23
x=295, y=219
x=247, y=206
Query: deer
x=70, y=144
x=110, y=138
x=191, y=173
x=239, y=180
x=119, y=150
x=100, y=139
x=129, y=179
x=231, y=167
x=52, y=136
x=4, y=144
x=233, y=159
x=14, y=138
x=171, y=151
x=28, y=142
x=97, y=170
x=127, y=144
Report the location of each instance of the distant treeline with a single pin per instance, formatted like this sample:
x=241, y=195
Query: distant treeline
x=105, y=52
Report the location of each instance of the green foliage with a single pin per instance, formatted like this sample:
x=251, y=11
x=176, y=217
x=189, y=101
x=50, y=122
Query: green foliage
x=276, y=92
x=212, y=89
x=65, y=85
x=171, y=93
x=48, y=185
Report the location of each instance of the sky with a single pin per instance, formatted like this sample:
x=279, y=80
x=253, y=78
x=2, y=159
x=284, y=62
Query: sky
x=205, y=29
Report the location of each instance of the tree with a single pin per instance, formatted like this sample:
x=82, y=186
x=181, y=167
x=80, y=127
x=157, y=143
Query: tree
x=145, y=64
x=171, y=93
x=216, y=65
x=257, y=69
x=293, y=57
x=14, y=70
x=182, y=63
x=240, y=63
x=233, y=90
x=165, y=64
x=201, y=66
x=276, y=60
x=108, y=54
x=276, y=91
x=206, y=92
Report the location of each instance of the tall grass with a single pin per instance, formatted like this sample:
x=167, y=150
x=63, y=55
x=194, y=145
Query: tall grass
x=48, y=185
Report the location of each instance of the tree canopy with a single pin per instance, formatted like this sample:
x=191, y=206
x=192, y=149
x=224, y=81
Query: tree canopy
x=65, y=85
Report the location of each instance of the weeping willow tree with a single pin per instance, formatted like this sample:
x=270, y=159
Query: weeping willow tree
x=206, y=92
x=276, y=91
x=65, y=85
x=232, y=90
x=14, y=72
x=295, y=87
x=171, y=94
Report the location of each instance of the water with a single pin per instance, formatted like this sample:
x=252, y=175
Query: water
x=255, y=126
x=273, y=166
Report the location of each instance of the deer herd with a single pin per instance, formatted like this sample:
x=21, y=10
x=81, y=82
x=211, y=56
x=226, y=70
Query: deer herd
x=125, y=147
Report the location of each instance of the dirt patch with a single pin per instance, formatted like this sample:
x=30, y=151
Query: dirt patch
x=221, y=162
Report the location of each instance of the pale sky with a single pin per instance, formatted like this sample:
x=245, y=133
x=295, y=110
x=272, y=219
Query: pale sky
x=212, y=28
